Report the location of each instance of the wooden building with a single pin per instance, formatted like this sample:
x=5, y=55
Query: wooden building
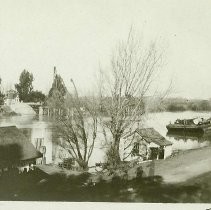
x=144, y=144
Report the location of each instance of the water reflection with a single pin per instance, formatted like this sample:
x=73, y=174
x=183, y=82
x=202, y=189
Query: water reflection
x=186, y=141
x=180, y=140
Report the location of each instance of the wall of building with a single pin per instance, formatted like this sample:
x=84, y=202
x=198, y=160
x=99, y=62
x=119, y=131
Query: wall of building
x=125, y=154
x=41, y=137
x=167, y=151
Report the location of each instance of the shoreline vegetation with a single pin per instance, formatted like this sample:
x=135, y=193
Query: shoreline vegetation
x=177, y=104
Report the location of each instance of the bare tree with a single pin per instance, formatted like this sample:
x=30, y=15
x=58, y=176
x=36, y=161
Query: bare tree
x=126, y=83
x=78, y=129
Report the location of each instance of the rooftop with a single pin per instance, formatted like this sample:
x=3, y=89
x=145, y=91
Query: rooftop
x=151, y=135
x=14, y=146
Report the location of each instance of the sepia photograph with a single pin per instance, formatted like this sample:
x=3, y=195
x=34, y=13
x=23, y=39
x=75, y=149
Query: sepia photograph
x=105, y=102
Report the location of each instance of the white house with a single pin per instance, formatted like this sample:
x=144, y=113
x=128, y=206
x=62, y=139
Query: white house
x=11, y=97
x=144, y=144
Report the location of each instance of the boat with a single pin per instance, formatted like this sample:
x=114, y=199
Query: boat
x=190, y=125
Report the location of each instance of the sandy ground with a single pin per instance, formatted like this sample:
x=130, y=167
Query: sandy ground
x=181, y=167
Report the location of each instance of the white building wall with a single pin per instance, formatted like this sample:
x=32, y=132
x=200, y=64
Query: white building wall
x=167, y=151
x=42, y=132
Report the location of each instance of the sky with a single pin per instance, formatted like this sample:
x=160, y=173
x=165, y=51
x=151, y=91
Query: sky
x=77, y=36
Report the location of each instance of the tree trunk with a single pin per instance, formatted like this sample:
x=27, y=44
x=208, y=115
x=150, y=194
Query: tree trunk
x=83, y=165
x=116, y=148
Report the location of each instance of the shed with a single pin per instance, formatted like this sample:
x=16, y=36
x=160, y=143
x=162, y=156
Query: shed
x=15, y=148
x=145, y=144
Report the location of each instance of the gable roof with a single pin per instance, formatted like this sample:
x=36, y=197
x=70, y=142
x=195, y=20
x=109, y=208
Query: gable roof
x=151, y=135
x=14, y=146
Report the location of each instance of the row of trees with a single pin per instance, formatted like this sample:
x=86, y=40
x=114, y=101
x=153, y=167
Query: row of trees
x=178, y=104
x=193, y=105
x=26, y=92
x=121, y=91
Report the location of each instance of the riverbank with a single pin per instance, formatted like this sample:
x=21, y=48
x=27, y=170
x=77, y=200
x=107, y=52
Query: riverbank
x=182, y=167
x=177, y=169
x=180, y=182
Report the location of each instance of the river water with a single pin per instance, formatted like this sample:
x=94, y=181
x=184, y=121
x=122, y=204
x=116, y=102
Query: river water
x=40, y=128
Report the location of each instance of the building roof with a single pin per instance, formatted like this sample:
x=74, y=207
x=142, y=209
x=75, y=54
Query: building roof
x=151, y=135
x=14, y=146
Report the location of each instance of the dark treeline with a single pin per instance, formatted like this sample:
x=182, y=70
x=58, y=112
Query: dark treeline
x=178, y=104
x=58, y=91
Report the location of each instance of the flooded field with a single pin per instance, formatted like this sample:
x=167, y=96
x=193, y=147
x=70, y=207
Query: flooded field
x=40, y=129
